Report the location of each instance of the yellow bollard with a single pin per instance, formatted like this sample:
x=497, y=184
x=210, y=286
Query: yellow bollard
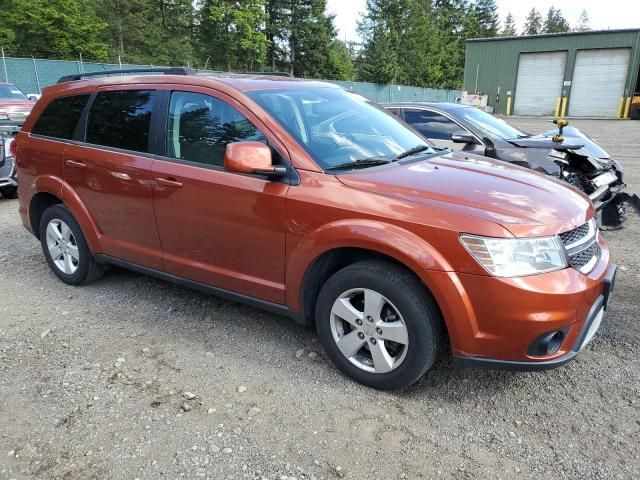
x=563, y=112
x=556, y=112
x=620, y=106
x=508, y=105
x=627, y=107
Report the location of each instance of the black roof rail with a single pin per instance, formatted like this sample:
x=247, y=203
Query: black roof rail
x=163, y=70
x=271, y=74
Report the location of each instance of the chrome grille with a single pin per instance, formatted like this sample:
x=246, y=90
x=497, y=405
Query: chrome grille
x=574, y=235
x=582, y=246
x=581, y=259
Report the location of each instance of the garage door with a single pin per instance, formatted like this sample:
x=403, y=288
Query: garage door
x=539, y=83
x=598, y=82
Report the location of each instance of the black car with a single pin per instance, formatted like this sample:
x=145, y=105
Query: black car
x=568, y=154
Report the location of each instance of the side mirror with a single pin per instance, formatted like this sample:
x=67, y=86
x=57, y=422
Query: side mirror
x=251, y=157
x=464, y=137
x=33, y=96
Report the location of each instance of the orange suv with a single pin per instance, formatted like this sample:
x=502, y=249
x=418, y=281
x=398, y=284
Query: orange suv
x=311, y=201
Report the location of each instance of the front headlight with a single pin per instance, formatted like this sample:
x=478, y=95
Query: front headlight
x=517, y=257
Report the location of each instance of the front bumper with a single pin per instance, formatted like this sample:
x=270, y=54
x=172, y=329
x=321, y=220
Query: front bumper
x=588, y=330
x=496, y=321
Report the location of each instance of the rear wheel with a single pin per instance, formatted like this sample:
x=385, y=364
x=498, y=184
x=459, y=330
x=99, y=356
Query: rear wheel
x=65, y=247
x=9, y=192
x=378, y=324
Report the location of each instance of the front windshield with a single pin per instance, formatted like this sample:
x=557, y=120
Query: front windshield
x=11, y=91
x=338, y=127
x=489, y=125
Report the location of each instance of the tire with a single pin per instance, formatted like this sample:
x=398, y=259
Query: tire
x=404, y=302
x=78, y=266
x=9, y=192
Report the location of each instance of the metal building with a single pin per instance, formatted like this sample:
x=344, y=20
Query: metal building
x=582, y=74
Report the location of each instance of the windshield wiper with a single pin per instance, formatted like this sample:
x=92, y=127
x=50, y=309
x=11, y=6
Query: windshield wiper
x=363, y=163
x=413, y=151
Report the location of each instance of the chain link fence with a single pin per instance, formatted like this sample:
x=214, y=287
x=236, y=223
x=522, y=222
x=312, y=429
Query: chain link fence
x=32, y=75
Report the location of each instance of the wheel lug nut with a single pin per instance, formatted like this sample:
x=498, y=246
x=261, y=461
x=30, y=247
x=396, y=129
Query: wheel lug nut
x=379, y=330
x=359, y=322
x=369, y=319
x=373, y=341
x=360, y=335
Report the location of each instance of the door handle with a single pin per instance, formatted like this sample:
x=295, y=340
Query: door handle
x=169, y=182
x=74, y=163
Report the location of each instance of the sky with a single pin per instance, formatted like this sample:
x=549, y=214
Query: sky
x=602, y=14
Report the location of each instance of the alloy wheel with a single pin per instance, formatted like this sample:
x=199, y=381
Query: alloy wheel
x=62, y=246
x=369, y=330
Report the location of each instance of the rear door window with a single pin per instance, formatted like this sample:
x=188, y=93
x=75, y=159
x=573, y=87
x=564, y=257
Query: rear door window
x=60, y=117
x=431, y=124
x=121, y=119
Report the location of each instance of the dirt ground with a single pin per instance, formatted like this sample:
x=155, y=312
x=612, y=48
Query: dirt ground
x=133, y=378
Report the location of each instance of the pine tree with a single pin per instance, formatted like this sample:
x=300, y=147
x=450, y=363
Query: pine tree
x=583, y=22
x=555, y=22
x=509, y=27
x=54, y=29
x=134, y=30
x=302, y=37
x=380, y=31
x=457, y=23
x=232, y=35
x=277, y=30
x=340, y=62
x=312, y=33
x=420, y=53
x=486, y=12
x=533, y=23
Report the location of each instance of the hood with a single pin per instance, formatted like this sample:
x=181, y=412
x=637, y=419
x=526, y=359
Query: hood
x=524, y=202
x=574, y=139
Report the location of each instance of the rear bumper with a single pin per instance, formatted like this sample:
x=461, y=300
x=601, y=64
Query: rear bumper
x=588, y=330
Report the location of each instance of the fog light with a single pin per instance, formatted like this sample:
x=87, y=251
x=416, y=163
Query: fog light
x=548, y=343
x=553, y=342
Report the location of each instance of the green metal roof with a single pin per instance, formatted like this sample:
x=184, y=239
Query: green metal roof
x=545, y=35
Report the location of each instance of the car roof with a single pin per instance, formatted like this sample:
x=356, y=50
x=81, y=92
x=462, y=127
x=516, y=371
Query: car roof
x=236, y=81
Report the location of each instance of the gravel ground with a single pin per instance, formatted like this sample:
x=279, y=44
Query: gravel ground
x=135, y=378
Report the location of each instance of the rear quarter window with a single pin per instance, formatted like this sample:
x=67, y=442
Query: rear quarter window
x=121, y=119
x=60, y=117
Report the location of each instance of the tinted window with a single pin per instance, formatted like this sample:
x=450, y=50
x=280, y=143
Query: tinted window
x=121, y=119
x=60, y=117
x=199, y=128
x=431, y=124
x=337, y=126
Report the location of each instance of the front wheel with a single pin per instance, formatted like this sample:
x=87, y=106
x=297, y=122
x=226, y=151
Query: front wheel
x=379, y=324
